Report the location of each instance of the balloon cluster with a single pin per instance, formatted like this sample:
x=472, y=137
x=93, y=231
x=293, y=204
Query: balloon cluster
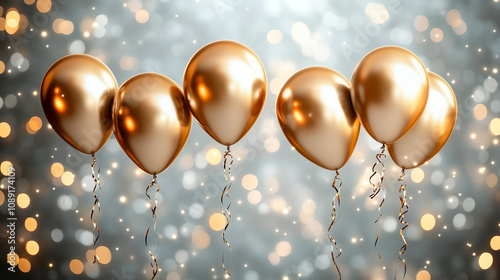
x=398, y=102
x=225, y=88
x=391, y=95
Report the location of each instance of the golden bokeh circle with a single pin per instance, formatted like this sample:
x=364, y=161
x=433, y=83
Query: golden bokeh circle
x=23, y=200
x=103, y=254
x=428, y=222
x=30, y=224
x=76, y=266
x=24, y=265
x=217, y=221
x=485, y=260
x=423, y=275
x=32, y=247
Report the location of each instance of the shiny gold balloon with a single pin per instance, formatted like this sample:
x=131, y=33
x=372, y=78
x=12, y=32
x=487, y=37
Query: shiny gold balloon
x=432, y=130
x=151, y=121
x=389, y=90
x=225, y=87
x=77, y=95
x=315, y=112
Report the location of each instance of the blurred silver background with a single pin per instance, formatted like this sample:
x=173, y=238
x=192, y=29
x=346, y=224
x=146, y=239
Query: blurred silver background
x=281, y=202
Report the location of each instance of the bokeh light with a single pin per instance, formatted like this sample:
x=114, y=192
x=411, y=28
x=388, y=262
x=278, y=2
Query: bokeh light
x=421, y=23
x=14, y=258
x=254, y=197
x=495, y=242
x=427, y=222
x=12, y=19
x=437, y=35
x=4, y=130
x=24, y=265
x=142, y=16
x=423, y=275
x=417, y=175
x=492, y=180
x=57, y=169
x=453, y=18
x=103, y=254
x=214, y=156
x=200, y=238
x=43, y=6
x=23, y=200
x=274, y=258
x=274, y=36
x=300, y=32
x=249, y=182
x=485, y=260
x=32, y=247
x=495, y=127
x=377, y=12
x=217, y=221
x=283, y=248
x=30, y=224
x=67, y=178
x=480, y=112
x=76, y=266
x=4, y=167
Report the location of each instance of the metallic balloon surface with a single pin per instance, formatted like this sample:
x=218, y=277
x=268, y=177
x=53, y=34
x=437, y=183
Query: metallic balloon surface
x=152, y=121
x=389, y=90
x=315, y=112
x=77, y=95
x=225, y=86
x=432, y=130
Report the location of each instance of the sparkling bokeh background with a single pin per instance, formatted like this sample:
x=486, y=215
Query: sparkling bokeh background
x=281, y=202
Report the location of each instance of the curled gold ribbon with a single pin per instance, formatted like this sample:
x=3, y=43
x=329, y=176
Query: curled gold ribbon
x=335, y=216
x=228, y=162
x=377, y=187
x=402, y=211
x=154, y=263
x=97, y=184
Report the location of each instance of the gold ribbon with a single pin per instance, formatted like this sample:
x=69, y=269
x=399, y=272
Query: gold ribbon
x=228, y=162
x=402, y=211
x=377, y=187
x=335, y=216
x=97, y=184
x=154, y=263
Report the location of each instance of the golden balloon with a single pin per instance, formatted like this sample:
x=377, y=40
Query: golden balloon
x=77, y=95
x=432, y=130
x=389, y=91
x=315, y=112
x=152, y=121
x=225, y=87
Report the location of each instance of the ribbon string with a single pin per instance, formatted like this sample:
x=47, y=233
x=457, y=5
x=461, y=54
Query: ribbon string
x=228, y=162
x=97, y=184
x=335, y=216
x=402, y=211
x=154, y=263
x=377, y=187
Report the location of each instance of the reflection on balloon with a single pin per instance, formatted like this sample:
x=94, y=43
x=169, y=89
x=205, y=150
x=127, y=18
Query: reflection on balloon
x=77, y=95
x=151, y=120
x=315, y=112
x=389, y=91
x=225, y=86
x=432, y=130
